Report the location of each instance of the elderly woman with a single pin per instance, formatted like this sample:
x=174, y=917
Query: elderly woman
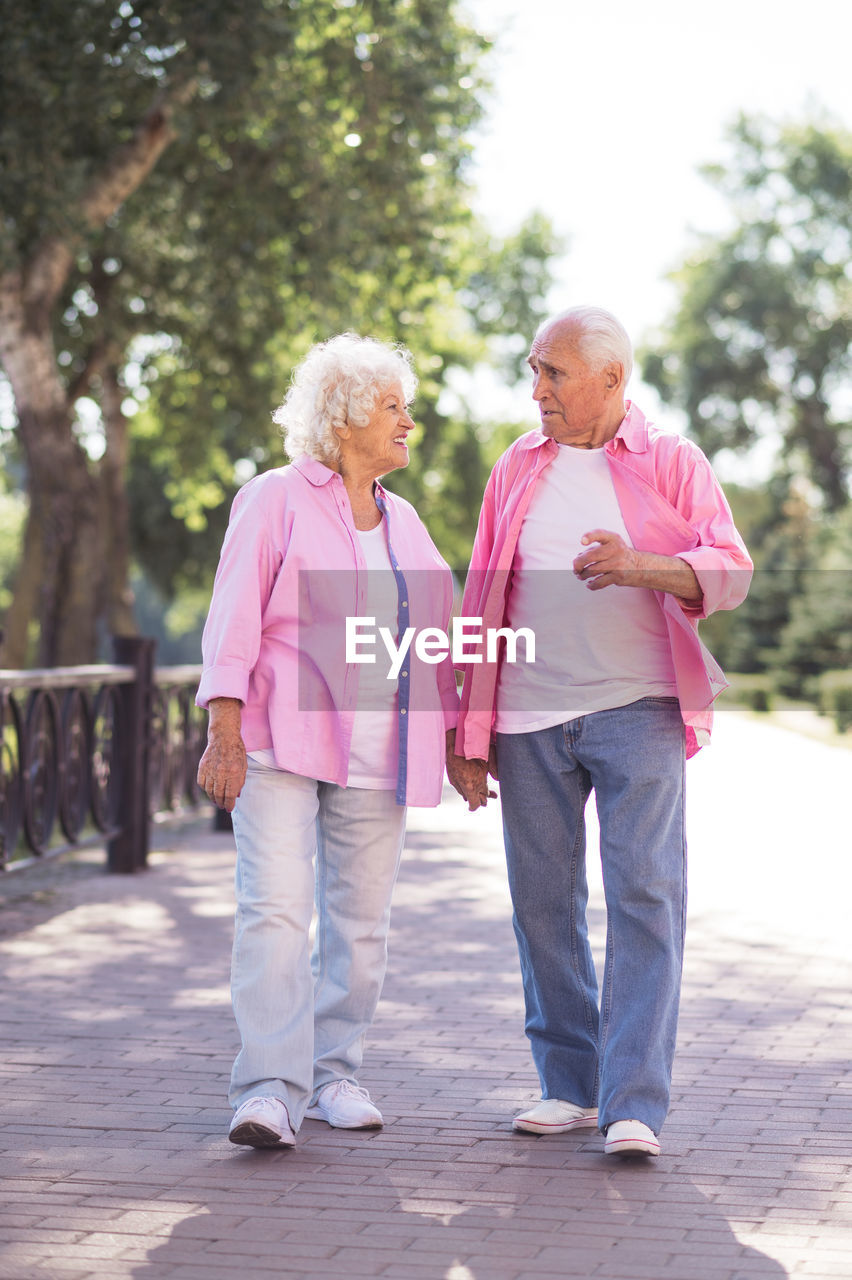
x=312, y=746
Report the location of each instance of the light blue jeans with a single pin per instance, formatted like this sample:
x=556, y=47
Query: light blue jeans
x=303, y=1013
x=619, y=1054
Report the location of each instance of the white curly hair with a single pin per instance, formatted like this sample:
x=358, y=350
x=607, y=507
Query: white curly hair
x=337, y=384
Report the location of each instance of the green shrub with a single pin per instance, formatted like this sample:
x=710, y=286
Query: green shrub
x=754, y=690
x=760, y=700
x=835, y=698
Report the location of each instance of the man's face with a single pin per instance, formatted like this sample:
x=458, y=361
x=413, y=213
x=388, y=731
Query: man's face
x=577, y=406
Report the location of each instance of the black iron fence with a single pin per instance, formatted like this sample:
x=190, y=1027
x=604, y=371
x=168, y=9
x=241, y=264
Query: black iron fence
x=95, y=754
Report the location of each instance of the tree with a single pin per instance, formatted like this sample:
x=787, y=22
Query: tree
x=194, y=194
x=181, y=484
x=780, y=529
x=759, y=345
x=817, y=636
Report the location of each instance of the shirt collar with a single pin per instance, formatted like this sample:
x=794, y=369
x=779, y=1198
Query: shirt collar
x=313, y=470
x=633, y=433
x=318, y=474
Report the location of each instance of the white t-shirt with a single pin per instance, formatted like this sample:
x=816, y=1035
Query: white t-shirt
x=594, y=649
x=374, y=750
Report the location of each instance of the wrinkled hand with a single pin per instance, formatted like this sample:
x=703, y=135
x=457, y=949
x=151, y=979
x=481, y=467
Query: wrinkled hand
x=470, y=777
x=222, y=771
x=608, y=562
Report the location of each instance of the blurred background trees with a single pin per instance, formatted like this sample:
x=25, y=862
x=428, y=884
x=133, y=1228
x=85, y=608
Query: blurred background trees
x=193, y=197
x=194, y=194
x=758, y=353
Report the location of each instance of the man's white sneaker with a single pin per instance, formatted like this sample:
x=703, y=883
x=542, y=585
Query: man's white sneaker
x=627, y=1137
x=345, y=1105
x=551, y=1115
x=262, y=1122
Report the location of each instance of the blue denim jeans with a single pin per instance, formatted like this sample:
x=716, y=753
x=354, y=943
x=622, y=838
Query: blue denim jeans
x=303, y=1012
x=618, y=1052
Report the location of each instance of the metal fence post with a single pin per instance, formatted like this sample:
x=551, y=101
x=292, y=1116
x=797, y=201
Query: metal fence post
x=128, y=851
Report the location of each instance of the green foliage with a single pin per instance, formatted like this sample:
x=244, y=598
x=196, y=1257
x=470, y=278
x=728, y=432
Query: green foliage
x=780, y=534
x=797, y=619
x=818, y=633
x=835, y=698
x=219, y=433
x=175, y=625
x=12, y=516
x=315, y=183
x=760, y=341
x=753, y=691
x=758, y=354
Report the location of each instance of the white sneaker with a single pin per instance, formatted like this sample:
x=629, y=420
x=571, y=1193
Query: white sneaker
x=345, y=1105
x=262, y=1122
x=551, y=1115
x=631, y=1136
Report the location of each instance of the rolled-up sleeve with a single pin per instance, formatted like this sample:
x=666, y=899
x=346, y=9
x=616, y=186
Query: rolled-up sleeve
x=720, y=561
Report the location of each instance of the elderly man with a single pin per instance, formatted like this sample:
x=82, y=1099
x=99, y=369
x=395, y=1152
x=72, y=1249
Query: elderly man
x=609, y=539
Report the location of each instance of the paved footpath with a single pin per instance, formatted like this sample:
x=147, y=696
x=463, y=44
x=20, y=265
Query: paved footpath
x=117, y=1041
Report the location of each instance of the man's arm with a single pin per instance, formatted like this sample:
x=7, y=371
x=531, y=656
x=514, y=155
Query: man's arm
x=610, y=562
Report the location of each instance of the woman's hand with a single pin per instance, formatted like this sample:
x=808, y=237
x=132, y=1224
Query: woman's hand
x=469, y=777
x=222, y=769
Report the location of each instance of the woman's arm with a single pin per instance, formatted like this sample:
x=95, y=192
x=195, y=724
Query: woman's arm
x=222, y=769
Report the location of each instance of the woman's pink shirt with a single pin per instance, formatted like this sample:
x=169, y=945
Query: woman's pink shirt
x=290, y=570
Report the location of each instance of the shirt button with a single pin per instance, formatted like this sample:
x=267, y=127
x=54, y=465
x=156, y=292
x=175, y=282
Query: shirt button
x=405, y=673
x=402, y=711
x=405, y=604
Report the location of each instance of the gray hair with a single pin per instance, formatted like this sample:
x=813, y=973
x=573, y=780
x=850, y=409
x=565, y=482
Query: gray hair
x=337, y=384
x=601, y=338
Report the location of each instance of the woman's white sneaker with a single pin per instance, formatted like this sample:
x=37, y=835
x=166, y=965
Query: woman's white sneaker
x=345, y=1105
x=262, y=1122
x=551, y=1115
x=629, y=1137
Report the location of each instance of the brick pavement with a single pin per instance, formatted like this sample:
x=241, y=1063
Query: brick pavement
x=118, y=1039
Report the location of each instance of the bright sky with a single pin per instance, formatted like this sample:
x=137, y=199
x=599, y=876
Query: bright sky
x=603, y=111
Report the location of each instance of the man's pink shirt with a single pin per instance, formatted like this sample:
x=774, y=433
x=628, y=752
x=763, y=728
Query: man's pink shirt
x=671, y=504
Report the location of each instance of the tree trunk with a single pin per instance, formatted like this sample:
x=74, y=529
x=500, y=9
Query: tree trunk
x=61, y=578
x=64, y=545
x=61, y=572
x=121, y=618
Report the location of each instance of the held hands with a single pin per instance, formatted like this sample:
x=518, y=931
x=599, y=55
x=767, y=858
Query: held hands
x=470, y=777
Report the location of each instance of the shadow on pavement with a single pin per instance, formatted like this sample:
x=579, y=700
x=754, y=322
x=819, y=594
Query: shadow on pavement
x=120, y=1041
x=583, y=1219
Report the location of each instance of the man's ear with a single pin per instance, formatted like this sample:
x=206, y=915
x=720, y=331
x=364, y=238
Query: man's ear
x=614, y=375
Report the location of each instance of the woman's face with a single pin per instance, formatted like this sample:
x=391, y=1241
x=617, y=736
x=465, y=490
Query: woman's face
x=381, y=445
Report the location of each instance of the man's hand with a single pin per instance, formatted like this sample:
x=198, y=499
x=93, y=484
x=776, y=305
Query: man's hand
x=609, y=562
x=470, y=777
x=222, y=769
